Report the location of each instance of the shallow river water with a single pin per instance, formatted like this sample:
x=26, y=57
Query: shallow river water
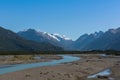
x=12, y=68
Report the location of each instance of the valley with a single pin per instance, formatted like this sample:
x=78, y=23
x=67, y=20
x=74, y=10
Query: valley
x=87, y=65
x=59, y=39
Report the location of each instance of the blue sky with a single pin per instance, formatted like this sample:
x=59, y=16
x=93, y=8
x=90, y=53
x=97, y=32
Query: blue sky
x=69, y=17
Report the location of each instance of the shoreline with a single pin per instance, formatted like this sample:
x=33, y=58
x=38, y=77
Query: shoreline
x=14, y=68
x=87, y=65
x=44, y=58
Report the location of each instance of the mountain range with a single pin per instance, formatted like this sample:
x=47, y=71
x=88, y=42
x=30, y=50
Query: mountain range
x=33, y=40
x=109, y=40
x=55, y=39
x=10, y=41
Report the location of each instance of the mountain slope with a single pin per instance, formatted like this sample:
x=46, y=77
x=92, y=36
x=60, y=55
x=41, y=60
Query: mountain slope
x=10, y=41
x=86, y=39
x=110, y=40
x=105, y=41
x=95, y=41
x=38, y=36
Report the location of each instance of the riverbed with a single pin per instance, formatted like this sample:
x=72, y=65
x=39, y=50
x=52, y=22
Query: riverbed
x=12, y=68
x=87, y=65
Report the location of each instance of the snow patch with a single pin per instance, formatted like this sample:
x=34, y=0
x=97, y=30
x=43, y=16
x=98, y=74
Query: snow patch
x=62, y=36
x=53, y=37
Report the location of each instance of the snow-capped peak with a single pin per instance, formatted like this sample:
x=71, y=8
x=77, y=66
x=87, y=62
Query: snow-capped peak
x=56, y=34
x=66, y=38
x=44, y=32
x=62, y=36
x=53, y=36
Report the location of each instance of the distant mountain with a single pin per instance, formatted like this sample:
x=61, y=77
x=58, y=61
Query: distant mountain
x=94, y=41
x=10, y=41
x=55, y=39
x=86, y=39
x=64, y=41
x=99, y=41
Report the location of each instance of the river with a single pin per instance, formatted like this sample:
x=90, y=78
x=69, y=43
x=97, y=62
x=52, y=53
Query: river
x=18, y=67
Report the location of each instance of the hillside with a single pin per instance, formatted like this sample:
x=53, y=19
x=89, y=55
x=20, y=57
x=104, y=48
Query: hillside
x=10, y=41
x=38, y=36
x=109, y=40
